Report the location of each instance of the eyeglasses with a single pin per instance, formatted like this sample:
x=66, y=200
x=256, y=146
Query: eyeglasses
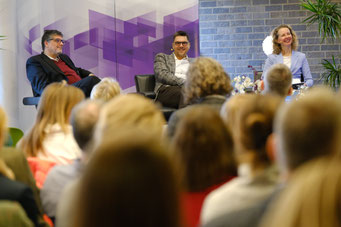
x=58, y=40
x=179, y=43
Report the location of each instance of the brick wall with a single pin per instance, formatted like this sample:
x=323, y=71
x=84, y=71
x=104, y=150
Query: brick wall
x=232, y=31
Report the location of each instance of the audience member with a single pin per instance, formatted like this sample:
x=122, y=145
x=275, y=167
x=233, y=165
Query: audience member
x=300, y=137
x=311, y=199
x=207, y=84
x=83, y=120
x=51, y=137
x=257, y=176
x=130, y=110
x=129, y=182
x=125, y=111
x=13, y=190
x=54, y=66
x=278, y=81
x=203, y=149
x=105, y=90
x=285, y=42
x=170, y=71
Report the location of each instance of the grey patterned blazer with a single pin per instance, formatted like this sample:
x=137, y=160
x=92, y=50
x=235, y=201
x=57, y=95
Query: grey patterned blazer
x=164, y=70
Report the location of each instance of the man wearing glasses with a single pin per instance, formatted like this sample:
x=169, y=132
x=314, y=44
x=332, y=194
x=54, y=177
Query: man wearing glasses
x=170, y=72
x=54, y=66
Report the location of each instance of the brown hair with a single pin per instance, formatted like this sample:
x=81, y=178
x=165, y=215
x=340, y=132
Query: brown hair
x=129, y=182
x=206, y=76
x=308, y=127
x=255, y=123
x=203, y=149
x=54, y=107
x=278, y=80
x=277, y=49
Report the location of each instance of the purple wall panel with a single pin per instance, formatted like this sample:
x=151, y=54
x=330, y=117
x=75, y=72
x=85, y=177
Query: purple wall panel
x=121, y=49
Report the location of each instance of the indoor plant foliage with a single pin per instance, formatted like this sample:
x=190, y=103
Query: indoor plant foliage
x=327, y=15
x=333, y=72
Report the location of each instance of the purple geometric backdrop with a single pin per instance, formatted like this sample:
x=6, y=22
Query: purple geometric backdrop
x=121, y=49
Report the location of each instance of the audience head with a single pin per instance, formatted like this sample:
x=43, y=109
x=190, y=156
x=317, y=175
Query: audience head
x=131, y=110
x=129, y=182
x=277, y=48
x=50, y=35
x=312, y=197
x=83, y=120
x=180, y=44
x=230, y=110
x=206, y=76
x=106, y=89
x=54, y=107
x=278, y=80
x=308, y=128
x=255, y=124
x=203, y=149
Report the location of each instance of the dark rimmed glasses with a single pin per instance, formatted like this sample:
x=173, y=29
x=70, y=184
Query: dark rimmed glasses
x=179, y=43
x=57, y=40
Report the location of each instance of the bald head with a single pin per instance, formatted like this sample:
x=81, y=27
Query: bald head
x=83, y=120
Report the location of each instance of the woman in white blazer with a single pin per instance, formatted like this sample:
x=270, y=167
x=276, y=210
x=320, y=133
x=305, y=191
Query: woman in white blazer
x=284, y=41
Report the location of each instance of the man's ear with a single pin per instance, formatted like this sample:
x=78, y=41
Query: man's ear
x=291, y=90
x=262, y=85
x=270, y=147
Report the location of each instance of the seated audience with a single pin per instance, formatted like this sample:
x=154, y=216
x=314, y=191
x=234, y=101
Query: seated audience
x=130, y=110
x=105, y=90
x=257, y=176
x=170, y=72
x=124, y=111
x=84, y=117
x=278, y=81
x=207, y=84
x=312, y=198
x=129, y=182
x=203, y=149
x=51, y=138
x=54, y=66
x=300, y=137
x=13, y=190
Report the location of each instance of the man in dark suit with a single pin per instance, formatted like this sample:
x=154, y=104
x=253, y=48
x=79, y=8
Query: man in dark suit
x=170, y=71
x=53, y=66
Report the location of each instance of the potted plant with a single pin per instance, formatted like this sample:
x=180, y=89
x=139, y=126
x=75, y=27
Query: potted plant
x=328, y=17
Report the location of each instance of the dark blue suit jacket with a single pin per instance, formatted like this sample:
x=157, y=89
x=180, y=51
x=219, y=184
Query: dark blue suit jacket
x=16, y=191
x=41, y=71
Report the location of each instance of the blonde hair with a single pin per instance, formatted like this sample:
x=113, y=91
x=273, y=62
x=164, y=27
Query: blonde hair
x=131, y=110
x=54, y=107
x=206, y=76
x=277, y=49
x=230, y=110
x=312, y=197
x=106, y=89
x=3, y=134
x=3, y=126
